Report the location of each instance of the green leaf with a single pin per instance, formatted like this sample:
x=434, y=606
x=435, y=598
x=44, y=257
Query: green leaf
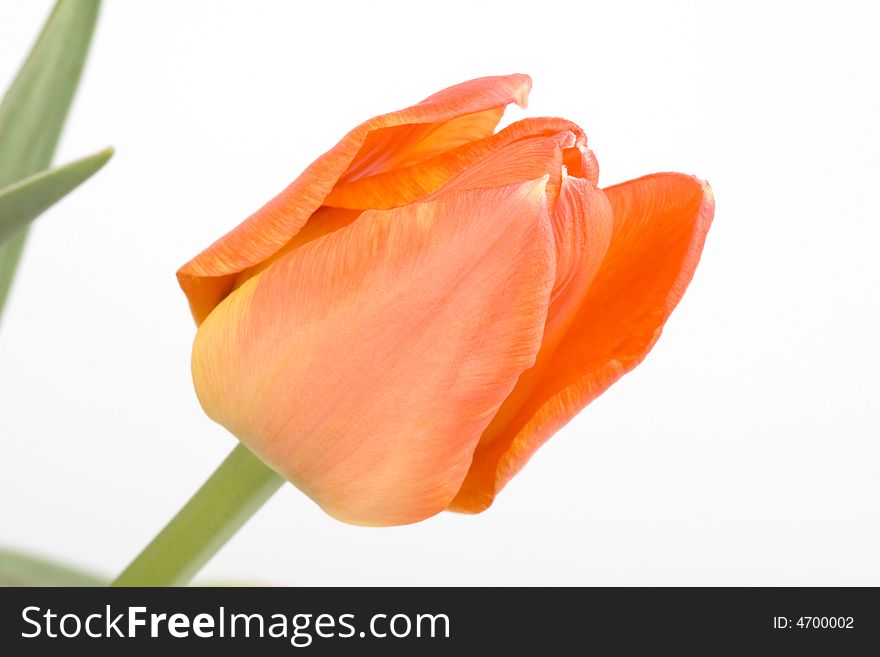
x=35, y=106
x=20, y=569
x=24, y=201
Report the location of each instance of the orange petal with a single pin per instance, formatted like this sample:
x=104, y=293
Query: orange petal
x=444, y=121
x=324, y=220
x=660, y=224
x=525, y=150
x=365, y=365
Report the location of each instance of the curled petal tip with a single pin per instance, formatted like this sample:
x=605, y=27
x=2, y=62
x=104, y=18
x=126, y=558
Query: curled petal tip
x=522, y=94
x=707, y=192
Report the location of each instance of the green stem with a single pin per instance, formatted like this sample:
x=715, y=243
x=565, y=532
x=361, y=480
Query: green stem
x=236, y=490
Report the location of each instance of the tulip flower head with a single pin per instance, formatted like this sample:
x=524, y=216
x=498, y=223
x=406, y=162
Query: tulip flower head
x=401, y=328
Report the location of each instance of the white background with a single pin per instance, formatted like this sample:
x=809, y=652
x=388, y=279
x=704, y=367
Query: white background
x=744, y=450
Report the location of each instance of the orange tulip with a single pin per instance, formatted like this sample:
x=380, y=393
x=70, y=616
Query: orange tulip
x=401, y=328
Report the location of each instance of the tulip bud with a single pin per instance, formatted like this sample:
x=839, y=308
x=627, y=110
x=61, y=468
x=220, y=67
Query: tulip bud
x=401, y=328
